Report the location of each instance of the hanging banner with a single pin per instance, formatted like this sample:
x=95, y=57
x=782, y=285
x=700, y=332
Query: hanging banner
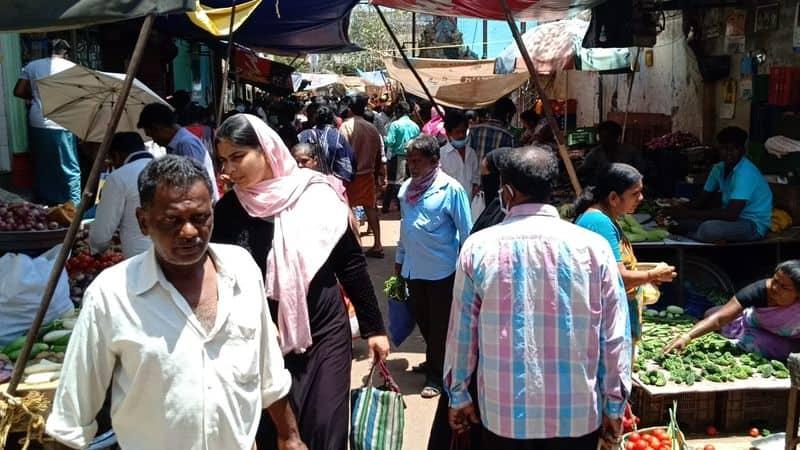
x=734, y=31
x=255, y=69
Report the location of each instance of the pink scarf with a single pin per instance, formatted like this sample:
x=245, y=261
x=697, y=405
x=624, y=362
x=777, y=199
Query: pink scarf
x=417, y=187
x=435, y=126
x=310, y=217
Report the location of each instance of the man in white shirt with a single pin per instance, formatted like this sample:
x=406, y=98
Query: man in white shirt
x=119, y=198
x=160, y=124
x=457, y=158
x=182, y=334
x=54, y=149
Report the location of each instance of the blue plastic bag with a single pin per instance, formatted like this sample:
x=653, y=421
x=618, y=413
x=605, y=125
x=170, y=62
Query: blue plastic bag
x=401, y=321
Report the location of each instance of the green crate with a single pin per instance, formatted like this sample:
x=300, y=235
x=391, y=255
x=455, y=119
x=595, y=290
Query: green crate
x=582, y=136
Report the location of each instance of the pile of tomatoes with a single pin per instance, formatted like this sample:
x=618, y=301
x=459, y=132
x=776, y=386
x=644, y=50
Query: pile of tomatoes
x=86, y=263
x=654, y=439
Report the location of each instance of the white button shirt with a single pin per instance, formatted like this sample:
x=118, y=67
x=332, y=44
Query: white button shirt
x=174, y=386
x=466, y=171
x=117, y=209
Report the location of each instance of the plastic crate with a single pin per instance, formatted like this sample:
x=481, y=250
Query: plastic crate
x=754, y=408
x=582, y=136
x=696, y=410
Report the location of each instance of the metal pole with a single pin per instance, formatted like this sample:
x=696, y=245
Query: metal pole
x=405, y=58
x=548, y=110
x=227, y=67
x=630, y=91
x=413, y=34
x=91, y=183
x=485, y=39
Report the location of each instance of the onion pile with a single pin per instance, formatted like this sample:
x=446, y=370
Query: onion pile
x=24, y=216
x=677, y=140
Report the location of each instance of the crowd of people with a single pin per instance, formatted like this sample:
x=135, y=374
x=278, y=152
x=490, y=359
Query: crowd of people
x=226, y=325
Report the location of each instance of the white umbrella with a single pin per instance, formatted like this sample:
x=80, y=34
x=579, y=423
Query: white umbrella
x=81, y=100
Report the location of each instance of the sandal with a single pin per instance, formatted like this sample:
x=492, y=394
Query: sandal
x=372, y=253
x=430, y=392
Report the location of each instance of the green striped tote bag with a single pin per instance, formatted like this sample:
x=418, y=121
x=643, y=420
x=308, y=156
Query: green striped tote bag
x=378, y=414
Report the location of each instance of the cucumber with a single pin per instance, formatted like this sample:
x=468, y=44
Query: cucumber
x=63, y=340
x=15, y=345
x=58, y=348
x=54, y=336
x=38, y=348
x=50, y=326
x=675, y=310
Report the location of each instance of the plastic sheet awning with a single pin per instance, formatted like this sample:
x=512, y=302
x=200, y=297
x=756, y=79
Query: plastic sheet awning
x=556, y=46
x=462, y=84
x=285, y=28
x=523, y=10
x=44, y=15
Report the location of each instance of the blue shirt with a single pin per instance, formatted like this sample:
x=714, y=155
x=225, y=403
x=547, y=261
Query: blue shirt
x=601, y=224
x=184, y=143
x=745, y=182
x=433, y=230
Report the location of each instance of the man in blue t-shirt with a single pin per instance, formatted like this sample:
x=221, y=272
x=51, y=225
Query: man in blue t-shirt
x=746, y=208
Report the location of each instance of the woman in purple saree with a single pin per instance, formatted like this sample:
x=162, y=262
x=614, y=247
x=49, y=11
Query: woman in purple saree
x=763, y=317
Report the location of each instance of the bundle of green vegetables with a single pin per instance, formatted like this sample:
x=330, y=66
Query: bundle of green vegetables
x=710, y=357
x=636, y=233
x=395, y=287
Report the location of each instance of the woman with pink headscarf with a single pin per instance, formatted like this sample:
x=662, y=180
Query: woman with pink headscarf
x=295, y=225
x=435, y=126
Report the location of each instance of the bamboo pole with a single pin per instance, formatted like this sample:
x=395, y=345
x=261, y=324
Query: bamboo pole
x=225, y=70
x=548, y=110
x=91, y=184
x=406, y=60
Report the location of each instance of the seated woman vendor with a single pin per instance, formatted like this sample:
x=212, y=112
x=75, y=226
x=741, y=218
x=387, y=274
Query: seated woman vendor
x=746, y=209
x=763, y=317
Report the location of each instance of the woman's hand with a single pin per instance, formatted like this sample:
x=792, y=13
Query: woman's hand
x=679, y=343
x=662, y=274
x=379, y=346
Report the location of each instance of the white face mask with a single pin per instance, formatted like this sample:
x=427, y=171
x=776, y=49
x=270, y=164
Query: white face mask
x=503, y=206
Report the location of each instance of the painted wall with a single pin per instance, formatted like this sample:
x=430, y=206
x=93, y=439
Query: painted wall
x=672, y=86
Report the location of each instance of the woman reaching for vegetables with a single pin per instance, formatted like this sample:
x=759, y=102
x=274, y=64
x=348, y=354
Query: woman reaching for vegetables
x=763, y=317
x=618, y=191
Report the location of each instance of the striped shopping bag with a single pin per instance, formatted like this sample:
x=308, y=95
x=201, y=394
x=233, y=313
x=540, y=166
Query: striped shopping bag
x=378, y=414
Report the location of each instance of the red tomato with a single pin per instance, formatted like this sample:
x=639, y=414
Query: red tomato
x=630, y=446
x=642, y=445
x=634, y=437
x=711, y=430
x=709, y=447
x=655, y=442
x=754, y=432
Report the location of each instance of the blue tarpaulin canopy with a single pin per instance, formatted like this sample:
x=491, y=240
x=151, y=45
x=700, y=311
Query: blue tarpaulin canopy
x=286, y=27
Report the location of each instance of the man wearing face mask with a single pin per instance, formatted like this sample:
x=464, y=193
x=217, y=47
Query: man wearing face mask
x=542, y=302
x=458, y=159
x=490, y=135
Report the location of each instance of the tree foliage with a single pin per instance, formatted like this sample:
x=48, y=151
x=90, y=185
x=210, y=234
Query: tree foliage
x=368, y=32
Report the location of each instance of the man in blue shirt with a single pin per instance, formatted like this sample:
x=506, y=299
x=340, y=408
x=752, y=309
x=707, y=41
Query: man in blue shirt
x=435, y=222
x=746, y=207
x=160, y=124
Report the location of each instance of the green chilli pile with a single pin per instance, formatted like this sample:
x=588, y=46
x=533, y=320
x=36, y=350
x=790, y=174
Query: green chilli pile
x=710, y=357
